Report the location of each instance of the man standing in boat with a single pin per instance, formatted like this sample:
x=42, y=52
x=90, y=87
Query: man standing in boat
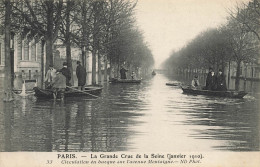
x=123, y=73
x=66, y=72
x=81, y=75
x=221, y=81
x=211, y=80
x=49, y=77
x=59, y=85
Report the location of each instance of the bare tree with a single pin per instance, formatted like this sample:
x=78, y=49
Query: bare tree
x=249, y=16
x=8, y=86
x=41, y=18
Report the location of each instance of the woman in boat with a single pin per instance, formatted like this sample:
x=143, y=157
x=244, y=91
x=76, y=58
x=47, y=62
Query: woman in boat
x=81, y=75
x=195, y=82
x=221, y=81
x=59, y=85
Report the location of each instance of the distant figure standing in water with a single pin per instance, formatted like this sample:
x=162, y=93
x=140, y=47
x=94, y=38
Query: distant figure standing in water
x=123, y=73
x=195, y=82
x=66, y=72
x=221, y=81
x=81, y=75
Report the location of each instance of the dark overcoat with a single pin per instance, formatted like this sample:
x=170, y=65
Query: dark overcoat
x=81, y=75
x=211, y=82
x=221, y=83
x=66, y=72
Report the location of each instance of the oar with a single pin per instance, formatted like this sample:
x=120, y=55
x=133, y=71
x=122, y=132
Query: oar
x=82, y=91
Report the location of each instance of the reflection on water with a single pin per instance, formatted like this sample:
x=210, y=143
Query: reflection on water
x=146, y=117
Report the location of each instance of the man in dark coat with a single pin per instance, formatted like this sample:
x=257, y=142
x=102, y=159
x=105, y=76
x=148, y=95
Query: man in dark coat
x=211, y=80
x=81, y=75
x=123, y=73
x=66, y=72
x=221, y=81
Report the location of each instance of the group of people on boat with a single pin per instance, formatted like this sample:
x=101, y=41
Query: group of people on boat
x=59, y=80
x=213, y=82
x=123, y=74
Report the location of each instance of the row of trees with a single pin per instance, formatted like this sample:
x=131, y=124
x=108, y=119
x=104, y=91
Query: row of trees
x=236, y=41
x=106, y=28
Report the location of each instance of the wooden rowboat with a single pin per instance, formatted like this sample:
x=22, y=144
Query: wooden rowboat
x=133, y=81
x=90, y=91
x=173, y=84
x=228, y=93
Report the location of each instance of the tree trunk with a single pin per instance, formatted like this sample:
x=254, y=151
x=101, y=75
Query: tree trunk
x=69, y=61
x=245, y=78
x=83, y=58
x=237, y=75
x=8, y=78
x=49, y=37
x=94, y=67
x=105, y=68
x=67, y=40
x=99, y=68
x=228, y=74
x=42, y=63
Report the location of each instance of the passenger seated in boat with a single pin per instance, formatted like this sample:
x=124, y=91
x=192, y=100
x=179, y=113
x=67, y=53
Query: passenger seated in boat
x=221, y=81
x=133, y=75
x=59, y=85
x=195, y=82
x=50, y=75
x=123, y=73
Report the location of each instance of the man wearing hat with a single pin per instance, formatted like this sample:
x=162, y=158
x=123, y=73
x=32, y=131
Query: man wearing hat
x=195, y=82
x=66, y=72
x=81, y=75
x=221, y=81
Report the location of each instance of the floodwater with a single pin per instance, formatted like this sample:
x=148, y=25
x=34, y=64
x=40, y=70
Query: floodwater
x=128, y=117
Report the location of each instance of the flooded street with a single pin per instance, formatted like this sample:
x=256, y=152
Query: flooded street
x=132, y=117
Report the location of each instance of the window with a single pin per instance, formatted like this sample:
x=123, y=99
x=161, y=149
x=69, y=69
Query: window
x=26, y=50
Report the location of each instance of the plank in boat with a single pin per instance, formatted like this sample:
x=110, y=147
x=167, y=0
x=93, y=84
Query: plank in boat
x=70, y=92
x=115, y=80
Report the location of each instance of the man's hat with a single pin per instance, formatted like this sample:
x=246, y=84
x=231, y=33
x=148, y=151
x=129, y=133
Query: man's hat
x=78, y=62
x=65, y=63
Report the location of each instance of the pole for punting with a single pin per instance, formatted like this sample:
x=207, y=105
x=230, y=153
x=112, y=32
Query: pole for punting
x=81, y=91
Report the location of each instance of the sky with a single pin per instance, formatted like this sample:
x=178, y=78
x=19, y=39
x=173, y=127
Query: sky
x=168, y=25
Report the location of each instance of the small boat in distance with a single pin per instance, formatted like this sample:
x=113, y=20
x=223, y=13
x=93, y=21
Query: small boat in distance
x=133, y=81
x=153, y=73
x=228, y=93
x=90, y=91
x=173, y=84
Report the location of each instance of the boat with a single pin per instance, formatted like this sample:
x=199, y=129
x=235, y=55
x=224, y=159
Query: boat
x=153, y=73
x=90, y=91
x=173, y=84
x=134, y=81
x=228, y=93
